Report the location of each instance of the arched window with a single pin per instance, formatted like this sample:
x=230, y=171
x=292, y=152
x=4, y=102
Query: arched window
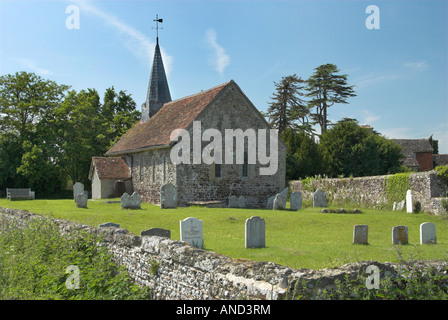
x=245, y=169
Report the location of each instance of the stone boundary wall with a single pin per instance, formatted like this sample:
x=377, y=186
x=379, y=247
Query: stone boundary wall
x=175, y=270
x=371, y=191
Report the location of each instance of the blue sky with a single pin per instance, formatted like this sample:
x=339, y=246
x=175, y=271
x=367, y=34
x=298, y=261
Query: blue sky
x=399, y=70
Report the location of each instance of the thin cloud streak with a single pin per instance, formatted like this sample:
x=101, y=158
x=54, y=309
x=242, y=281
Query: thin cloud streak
x=220, y=59
x=138, y=43
x=31, y=64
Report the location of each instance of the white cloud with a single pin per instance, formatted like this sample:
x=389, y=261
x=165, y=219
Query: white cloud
x=417, y=66
x=137, y=42
x=220, y=59
x=396, y=133
x=31, y=64
x=372, y=79
x=369, y=117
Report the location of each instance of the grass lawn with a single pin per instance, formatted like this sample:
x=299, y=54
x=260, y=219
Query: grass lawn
x=299, y=239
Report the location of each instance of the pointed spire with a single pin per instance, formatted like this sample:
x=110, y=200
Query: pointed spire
x=158, y=91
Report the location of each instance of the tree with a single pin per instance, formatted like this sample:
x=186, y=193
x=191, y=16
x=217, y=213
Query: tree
x=434, y=144
x=326, y=88
x=349, y=149
x=287, y=107
x=303, y=158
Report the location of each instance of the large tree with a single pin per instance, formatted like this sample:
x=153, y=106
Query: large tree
x=325, y=88
x=349, y=149
x=286, y=106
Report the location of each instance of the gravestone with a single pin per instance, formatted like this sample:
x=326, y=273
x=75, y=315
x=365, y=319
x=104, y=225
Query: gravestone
x=191, y=232
x=156, y=232
x=168, y=196
x=278, y=202
x=428, y=233
x=81, y=200
x=400, y=205
x=270, y=203
x=78, y=188
x=284, y=194
x=109, y=225
x=319, y=199
x=394, y=206
x=233, y=202
x=400, y=235
x=295, y=200
x=360, y=234
x=131, y=202
x=255, y=233
x=241, y=202
x=409, y=202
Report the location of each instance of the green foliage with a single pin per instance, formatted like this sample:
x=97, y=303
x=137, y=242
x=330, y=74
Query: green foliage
x=49, y=134
x=349, y=149
x=34, y=260
x=302, y=157
x=442, y=173
x=396, y=187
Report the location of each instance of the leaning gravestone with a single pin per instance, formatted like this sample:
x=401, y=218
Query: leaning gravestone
x=270, y=202
x=168, y=196
x=400, y=235
x=319, y=199
x=278, y=202
x=191, y=232
x=428, y=233
x=295, y=201
x=255, y=232
x=233, y=202
x=241, y=202
x=78, y=188
x=360, y=234
x=409, y=202
x=81, y=200
x=131, y=202
x=156, y=232
x=109, y=225
x=400, y=205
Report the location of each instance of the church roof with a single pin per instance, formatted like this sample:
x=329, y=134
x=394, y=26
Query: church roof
x=110, y=168
x=156, y=131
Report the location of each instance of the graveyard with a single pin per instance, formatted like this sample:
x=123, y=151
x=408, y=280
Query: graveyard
x=305, y=238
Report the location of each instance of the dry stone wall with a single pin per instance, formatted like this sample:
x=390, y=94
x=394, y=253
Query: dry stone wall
x=174, y=270
x=426, y=188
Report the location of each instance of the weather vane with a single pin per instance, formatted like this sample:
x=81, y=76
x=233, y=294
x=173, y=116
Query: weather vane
x=157, y=20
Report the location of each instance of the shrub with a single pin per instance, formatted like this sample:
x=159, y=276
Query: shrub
x=442, y=173
x=34, y=259
x=397, y=186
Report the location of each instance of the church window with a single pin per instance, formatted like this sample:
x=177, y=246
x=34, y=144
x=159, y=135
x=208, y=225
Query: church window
x=218, y=170
x=245, y=169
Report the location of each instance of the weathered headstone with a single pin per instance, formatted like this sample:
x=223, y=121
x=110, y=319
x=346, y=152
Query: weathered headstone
x=295, y=200
x=284, y=194
x=131, y=202
x=319, y=199
x=360, y=234
x=233, y=202
x=409, y=202
x=78, y=188
x=400, y=205
x=168, y=196
x=400, y=235
x=241, y=202
x=278, y=202
x=191, y=232
x=255, y=232
x=270, y=203
x=81, y=200
x=428, y=233
x=394, y=206
x=109, y=225
x=156, y=232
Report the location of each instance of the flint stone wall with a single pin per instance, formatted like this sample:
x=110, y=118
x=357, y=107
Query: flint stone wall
x=426, y=188
x=175, y=270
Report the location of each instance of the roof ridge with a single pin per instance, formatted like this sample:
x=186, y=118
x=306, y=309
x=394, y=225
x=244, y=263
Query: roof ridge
x=201, y=92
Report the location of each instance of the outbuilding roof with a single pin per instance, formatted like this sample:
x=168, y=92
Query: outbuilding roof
x=110, y=168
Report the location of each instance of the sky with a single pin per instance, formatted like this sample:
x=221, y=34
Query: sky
x=395, y=56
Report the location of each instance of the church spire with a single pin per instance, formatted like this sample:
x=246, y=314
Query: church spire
x=158, y=91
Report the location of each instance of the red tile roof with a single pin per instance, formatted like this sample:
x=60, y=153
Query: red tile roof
x=111, y=168
x=177, y=114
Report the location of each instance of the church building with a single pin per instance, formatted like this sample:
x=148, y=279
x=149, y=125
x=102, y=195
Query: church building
x=146, y=147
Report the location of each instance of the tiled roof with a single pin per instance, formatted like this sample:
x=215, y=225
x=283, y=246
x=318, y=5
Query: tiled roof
x=409, y=147
x=111, y=168
x=177, y=114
